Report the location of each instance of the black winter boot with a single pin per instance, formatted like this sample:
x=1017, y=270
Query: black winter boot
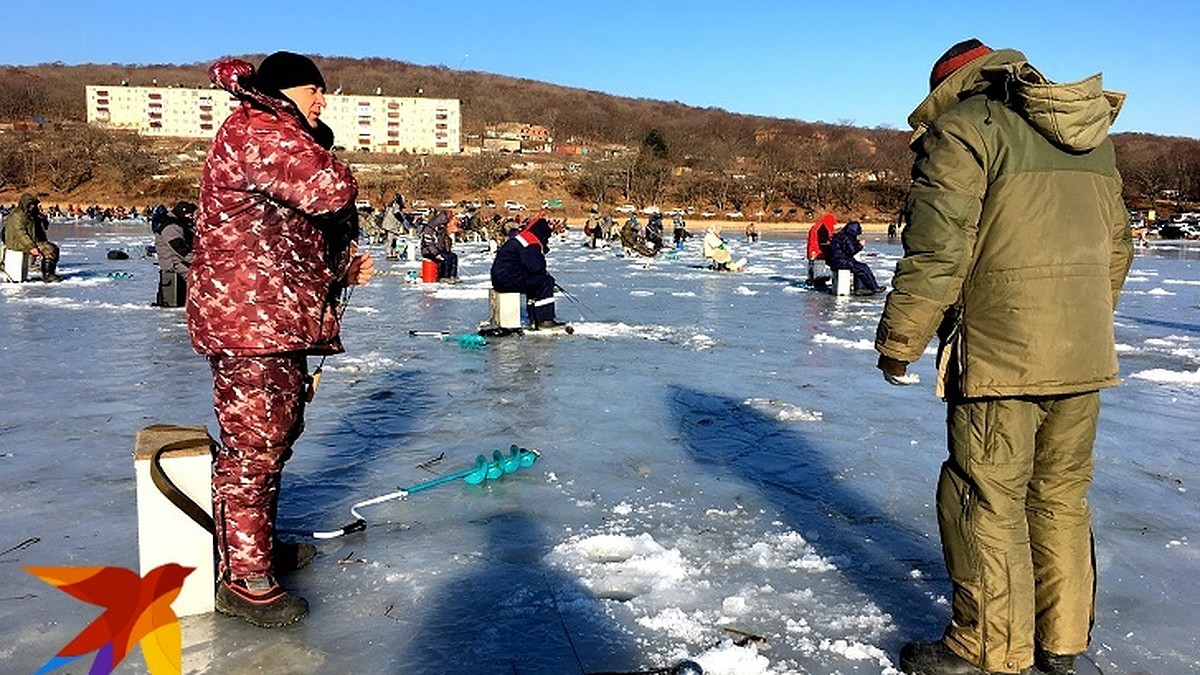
x=48, y=267
x=260, y=601
x=1053, y=664
x=935, y=658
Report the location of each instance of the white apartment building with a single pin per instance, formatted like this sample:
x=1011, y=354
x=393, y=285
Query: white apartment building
x=369, y=123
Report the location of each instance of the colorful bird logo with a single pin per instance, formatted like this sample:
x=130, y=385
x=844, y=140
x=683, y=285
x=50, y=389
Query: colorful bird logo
x=136, y=610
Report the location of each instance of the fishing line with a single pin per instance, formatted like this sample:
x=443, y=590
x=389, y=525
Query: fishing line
x=582, y=307
x=314, y=380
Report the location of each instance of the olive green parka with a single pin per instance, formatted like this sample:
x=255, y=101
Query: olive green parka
x=1017, y=241
x=23, y=232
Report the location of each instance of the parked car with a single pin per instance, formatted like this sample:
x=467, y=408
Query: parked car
x=513, y=205
x=363, y=205
x=626, y=208
x=733, y=214
x=650, y=210
x=448, y=204
x=708, y=214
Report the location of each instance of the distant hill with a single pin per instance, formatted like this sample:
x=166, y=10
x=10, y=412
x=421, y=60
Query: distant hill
x=57, y=91
x=781, y=162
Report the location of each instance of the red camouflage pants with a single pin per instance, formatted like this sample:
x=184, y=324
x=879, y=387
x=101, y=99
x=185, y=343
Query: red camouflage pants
x=259, y=402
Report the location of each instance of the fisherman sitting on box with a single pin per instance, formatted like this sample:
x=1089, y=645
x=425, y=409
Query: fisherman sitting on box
x=520, y=267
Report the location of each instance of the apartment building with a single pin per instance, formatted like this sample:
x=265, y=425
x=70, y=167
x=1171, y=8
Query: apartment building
x=367, y=123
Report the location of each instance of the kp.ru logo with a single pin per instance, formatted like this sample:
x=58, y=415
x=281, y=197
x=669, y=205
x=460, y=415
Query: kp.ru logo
x=136, y=610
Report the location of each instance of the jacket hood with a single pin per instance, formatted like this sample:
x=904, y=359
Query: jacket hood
x=540, y=228
x=1075, y=116
x=853, y=228
x=26, y=201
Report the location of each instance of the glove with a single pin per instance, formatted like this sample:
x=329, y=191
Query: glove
x=895, y=372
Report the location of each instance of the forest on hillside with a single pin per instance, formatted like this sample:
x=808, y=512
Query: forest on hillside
x=680, y=154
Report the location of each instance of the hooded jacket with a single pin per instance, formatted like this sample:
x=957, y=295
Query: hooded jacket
x=819, y=235
x=435, y=241
x=1018, y=242
x=844, y=245
x=521, y=258
x=22, y=231
x=273, y=228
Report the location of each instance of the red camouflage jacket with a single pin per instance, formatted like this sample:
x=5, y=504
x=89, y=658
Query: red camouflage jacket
x=276, y=216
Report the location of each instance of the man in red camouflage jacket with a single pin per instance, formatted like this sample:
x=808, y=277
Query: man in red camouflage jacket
x=274, y=248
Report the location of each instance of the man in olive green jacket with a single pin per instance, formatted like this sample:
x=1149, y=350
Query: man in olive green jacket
x=1017, y=246
x=25, y=230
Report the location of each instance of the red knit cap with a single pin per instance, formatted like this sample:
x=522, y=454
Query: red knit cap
x=956, y=57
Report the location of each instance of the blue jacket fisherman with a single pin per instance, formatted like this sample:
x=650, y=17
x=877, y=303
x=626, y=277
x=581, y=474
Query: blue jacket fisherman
x=520, y=267
x=843, y=248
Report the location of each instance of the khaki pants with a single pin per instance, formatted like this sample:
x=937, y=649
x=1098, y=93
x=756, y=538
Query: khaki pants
x=1016, y=527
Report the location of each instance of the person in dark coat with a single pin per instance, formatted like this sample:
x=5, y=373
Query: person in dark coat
x=174, y=231
x=435, y=246
x=520, y=267
x=842, y=248
x=654, y=231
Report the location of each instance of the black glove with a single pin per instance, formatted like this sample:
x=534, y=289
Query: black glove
x=896, y=371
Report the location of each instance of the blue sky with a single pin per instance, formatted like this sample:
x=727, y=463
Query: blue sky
x=859, y=62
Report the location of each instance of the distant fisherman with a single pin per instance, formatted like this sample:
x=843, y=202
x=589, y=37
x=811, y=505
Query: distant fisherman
x=520, y=267
x=25, y=230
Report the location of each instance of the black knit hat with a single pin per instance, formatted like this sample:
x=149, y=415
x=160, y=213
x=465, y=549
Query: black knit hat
x=956, y=57
x=284, y=70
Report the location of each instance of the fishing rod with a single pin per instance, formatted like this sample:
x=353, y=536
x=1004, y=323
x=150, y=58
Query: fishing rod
x=484, y=470
x=575, y=300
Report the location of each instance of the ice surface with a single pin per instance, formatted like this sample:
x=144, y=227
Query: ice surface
x=719, y=458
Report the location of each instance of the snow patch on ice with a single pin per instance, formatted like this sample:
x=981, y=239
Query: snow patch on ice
x=783, y=411
x=743, y=290
x=460, y=293
x=600, y=330
x=1164, y=376
x=827, y=339
x=620, y=567
x=729, y=659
